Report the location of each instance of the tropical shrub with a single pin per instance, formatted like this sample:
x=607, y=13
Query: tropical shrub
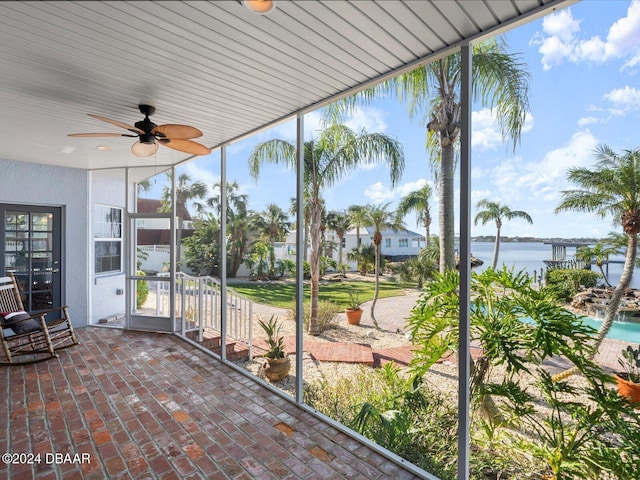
x=408, y=419
x=577, y=431
x=563, y=284
x=142, y=290
x=327, y=314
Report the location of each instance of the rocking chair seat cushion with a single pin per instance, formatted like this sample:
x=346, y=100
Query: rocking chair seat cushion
x=19, y=322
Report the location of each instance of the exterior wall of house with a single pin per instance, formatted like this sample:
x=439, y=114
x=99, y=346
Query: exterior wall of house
x=107, y=188
x=402, y=244
x=35, y=184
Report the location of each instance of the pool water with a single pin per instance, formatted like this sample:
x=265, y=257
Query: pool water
x=627, y=331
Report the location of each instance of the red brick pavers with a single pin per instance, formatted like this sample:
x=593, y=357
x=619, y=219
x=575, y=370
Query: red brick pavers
x=127, y=405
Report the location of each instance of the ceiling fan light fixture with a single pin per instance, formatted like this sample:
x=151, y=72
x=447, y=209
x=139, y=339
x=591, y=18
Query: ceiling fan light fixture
x=140, y=149
x=260, y=7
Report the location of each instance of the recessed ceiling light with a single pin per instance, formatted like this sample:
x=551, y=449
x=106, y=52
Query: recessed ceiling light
x=261, y=7
x=104, y=148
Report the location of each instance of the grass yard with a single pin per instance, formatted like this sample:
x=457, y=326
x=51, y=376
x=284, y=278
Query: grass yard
x=282, y=294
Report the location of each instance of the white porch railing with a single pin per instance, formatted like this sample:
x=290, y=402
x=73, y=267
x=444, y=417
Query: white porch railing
x=198, y=305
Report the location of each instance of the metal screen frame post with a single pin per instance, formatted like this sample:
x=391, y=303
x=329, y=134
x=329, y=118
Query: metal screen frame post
x=300, y=247
x=464, y=361
x=223, y=252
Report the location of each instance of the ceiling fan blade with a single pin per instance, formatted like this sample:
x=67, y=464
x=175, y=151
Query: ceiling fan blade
x=100, y=135
x=186, y=146
x=171, y=130
x=116, y=123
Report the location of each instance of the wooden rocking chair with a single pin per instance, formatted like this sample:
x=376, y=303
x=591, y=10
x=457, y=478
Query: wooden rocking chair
x=30, y=338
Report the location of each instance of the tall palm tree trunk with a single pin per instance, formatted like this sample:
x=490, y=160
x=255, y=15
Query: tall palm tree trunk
x=426, y=239
x=377, y=289
x=314, y=264
x=496, y=249
x=604, y=276
x=446, y=210
x=623, y=284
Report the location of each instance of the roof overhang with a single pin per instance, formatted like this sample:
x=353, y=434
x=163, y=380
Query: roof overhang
x=213, y=65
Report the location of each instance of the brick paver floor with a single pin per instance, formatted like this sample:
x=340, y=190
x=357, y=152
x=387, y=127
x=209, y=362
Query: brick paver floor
x=127, y=405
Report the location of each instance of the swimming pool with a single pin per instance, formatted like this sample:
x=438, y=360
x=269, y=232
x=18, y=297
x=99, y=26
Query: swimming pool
x=627, y=331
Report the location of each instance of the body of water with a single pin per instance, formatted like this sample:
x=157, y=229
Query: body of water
x=530, y=256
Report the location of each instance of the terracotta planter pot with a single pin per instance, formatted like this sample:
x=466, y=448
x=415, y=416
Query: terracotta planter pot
x=627, y=389
x=353, y=316
x=276, y=369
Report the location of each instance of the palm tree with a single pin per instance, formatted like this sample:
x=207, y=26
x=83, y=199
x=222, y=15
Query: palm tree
x=418, y=201
x=500, y=82
x=380, y=218
x=185, y=192
x=274, y=224
x=238, y=223
x=611, y=188
x=599, y=254
x=236, y=202
x=337, y=151
x=364, y=256
x=143, y=186
x=339, y=223
x=496, y=211
x=357, y=215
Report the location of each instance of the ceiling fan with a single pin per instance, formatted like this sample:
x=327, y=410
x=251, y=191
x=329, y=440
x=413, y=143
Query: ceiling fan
x=150, y=135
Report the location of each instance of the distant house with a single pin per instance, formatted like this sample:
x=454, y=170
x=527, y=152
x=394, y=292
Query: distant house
x=152, y=236
x=155, y=231
x=396, y=246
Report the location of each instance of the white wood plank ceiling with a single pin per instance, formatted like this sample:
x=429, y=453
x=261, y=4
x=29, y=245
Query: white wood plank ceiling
x=213, y=65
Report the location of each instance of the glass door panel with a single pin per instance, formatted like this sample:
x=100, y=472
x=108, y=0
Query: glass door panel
x=151, y=283
x=31, y=249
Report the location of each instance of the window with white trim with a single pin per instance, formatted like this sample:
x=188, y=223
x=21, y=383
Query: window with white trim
x=387, y=243
x=403, y=242
x=107, y=233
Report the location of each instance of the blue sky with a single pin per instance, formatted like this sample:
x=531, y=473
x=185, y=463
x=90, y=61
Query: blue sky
x=584, y=91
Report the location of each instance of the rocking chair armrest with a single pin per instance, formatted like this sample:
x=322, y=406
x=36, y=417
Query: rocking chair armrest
x=57, y=309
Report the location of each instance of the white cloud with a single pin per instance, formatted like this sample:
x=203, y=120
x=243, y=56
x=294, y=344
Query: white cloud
x=559, y=39
x=584, y=121
x=556, y=41
x=477, y=195
x=369, y=118
x=486, y=131
x=378, y=193
x=624, y=100
x=201, y=173
x=514, y=180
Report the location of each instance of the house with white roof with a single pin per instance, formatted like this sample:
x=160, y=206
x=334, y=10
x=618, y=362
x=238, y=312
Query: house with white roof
x=396, y=246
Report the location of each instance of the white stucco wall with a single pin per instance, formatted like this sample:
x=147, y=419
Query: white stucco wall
x=107, y=187
x=35, y=184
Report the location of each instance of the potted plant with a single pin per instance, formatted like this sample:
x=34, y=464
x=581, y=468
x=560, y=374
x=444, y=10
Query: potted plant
x=629, y=380
x=353, y=310
x=277, y=363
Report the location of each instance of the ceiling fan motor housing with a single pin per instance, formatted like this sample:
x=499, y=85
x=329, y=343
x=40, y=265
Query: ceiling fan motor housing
x=146, y=125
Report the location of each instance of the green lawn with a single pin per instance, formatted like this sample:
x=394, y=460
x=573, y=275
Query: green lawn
x=283, y=294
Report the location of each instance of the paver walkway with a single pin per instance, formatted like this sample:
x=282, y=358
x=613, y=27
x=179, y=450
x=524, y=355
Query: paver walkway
x=391, y=314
